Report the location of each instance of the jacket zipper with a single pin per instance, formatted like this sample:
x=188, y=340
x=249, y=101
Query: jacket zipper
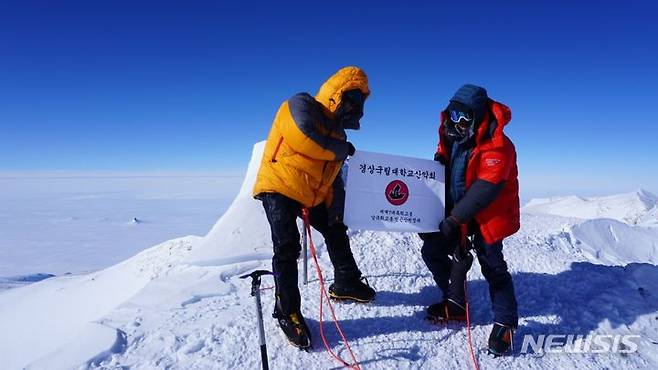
x=276, y=150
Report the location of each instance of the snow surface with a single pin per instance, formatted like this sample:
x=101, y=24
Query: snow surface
x=180, y=305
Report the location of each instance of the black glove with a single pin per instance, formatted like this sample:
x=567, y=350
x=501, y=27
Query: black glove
x=450, y=229
x=351, y=149
x=439, y=158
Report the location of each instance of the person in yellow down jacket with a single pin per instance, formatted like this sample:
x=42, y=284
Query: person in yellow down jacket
x=301, y=168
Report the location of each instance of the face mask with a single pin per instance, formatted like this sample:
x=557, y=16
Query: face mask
x=461, y=123
x=350, y=110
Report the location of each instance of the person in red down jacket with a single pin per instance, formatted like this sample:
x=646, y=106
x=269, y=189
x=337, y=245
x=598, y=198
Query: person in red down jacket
x=482, y=208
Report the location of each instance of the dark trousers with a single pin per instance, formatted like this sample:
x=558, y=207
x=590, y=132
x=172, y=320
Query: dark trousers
x=450, y=273
x=282, y=213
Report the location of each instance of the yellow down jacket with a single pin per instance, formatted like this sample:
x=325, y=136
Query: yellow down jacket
x=305, y=149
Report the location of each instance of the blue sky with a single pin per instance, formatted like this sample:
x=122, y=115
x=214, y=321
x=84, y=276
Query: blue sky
x=190, y=86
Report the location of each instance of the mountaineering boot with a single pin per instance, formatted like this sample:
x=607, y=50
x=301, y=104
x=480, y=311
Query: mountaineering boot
x=447, y=310
x=358, y=291
x=500, y=339
x=295, y=329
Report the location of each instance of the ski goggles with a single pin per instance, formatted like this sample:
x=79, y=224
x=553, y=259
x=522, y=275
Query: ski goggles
x=456, y=116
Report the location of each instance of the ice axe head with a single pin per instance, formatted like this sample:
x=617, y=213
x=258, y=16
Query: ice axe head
x=255, y=279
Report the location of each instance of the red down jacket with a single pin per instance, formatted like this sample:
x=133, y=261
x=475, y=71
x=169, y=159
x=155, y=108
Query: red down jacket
x=494, y=160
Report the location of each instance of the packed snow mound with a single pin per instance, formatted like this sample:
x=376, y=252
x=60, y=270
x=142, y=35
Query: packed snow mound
x=640, y=207
x=613, y=242
x=242, y=234
x=239, y=233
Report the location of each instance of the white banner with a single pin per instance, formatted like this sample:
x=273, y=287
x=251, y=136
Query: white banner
x=393, y=193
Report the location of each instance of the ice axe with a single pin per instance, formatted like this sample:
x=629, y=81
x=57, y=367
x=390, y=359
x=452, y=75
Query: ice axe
x=255, y=292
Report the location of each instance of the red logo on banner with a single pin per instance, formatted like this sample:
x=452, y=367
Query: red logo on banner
x=397, y=192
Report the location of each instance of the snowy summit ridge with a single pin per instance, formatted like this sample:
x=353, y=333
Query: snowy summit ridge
x=639, y=207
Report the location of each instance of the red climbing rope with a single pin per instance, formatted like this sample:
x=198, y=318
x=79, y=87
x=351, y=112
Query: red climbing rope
x=323, y=295
x=468, y=328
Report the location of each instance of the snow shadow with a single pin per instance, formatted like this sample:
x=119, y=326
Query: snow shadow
x=575, y=301
x=583, y=297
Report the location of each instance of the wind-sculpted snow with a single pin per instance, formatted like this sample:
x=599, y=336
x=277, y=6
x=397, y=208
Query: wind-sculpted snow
x=44, y=318
x=180, y=305
x=614, y=242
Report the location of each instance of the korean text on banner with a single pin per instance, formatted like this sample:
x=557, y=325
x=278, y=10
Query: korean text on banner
x=394, y=193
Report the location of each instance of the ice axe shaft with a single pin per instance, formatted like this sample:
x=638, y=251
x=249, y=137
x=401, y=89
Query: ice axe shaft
x=255, y=292
x=261, y=333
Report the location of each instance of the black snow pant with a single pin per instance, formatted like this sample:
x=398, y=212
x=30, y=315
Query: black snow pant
x=450, y=273
x=282, y=213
